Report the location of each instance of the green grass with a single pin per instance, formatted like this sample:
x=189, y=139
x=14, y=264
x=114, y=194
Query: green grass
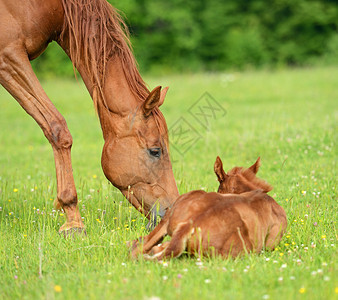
x=287, y=117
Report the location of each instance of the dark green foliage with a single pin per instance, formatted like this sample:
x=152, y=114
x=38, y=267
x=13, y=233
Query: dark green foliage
x=192, y=35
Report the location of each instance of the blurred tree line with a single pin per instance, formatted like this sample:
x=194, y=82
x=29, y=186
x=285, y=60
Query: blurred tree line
x=193, y=35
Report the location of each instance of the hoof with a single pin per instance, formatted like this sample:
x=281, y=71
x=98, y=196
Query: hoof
x=134, y=244
x=73, y=232
x=129, y=244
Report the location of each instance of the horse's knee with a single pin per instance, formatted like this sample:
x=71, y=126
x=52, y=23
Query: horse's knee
x=60, y=135
x=68, y=198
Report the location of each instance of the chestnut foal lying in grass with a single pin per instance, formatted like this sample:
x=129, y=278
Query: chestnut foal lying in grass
x=241, y=217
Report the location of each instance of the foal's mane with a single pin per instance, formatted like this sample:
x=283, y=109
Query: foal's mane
x=250, y=178
x=96, y=33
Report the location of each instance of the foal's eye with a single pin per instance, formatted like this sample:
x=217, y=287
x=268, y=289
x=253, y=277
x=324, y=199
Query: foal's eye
x=155, y=152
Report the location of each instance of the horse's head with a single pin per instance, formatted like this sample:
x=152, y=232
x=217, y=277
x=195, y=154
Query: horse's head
x=239, y=180
x=135, y=157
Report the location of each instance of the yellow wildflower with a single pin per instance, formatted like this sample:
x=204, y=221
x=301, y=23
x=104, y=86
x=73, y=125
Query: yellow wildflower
x=302, y=290
x=94, y=176
x=58, y=288
x=15, y=190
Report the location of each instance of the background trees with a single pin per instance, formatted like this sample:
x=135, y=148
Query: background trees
x=192, y=35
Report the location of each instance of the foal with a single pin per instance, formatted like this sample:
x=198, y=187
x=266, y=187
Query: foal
x=241, y=217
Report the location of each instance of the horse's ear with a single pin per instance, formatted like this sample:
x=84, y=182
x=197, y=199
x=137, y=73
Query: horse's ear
x=255, y=167
x=218, y=168
x=152, y=101
x=163, y=93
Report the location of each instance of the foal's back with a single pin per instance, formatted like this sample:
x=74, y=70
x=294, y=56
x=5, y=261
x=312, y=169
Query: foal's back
x=228, y=224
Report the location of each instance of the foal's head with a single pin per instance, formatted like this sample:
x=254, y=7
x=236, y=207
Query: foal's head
x=239, y=180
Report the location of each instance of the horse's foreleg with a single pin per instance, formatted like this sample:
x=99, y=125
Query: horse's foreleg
x=18, y=77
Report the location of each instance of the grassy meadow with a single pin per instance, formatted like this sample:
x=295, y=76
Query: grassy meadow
x=287, y=117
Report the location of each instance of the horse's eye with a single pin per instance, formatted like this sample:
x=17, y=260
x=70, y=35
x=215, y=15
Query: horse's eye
x=155, y=152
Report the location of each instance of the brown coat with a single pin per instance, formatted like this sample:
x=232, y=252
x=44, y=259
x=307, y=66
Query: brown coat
x=219, y=224
x=213, y=223
x=135, y=156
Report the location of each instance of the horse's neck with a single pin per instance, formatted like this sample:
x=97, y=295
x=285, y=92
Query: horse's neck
x=119, y=101
x=118, y=96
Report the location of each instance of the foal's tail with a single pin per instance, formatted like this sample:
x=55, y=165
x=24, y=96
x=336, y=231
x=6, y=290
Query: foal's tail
x=177, y=244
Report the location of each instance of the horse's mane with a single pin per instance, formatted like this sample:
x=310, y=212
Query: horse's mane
x=96, y=33
x=250, y=178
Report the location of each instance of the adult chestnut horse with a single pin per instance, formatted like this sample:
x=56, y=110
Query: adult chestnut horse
x=135, y=154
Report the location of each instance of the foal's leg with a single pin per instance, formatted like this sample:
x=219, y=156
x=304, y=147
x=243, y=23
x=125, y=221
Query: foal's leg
x=18, y=77
x=145, y=244
x=177, y=244
x=274, y=236
x=159, y=248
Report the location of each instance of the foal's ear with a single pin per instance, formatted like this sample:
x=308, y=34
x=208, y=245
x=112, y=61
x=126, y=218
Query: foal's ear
x=218, y=168
x=152, y=101
x=255, y=167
